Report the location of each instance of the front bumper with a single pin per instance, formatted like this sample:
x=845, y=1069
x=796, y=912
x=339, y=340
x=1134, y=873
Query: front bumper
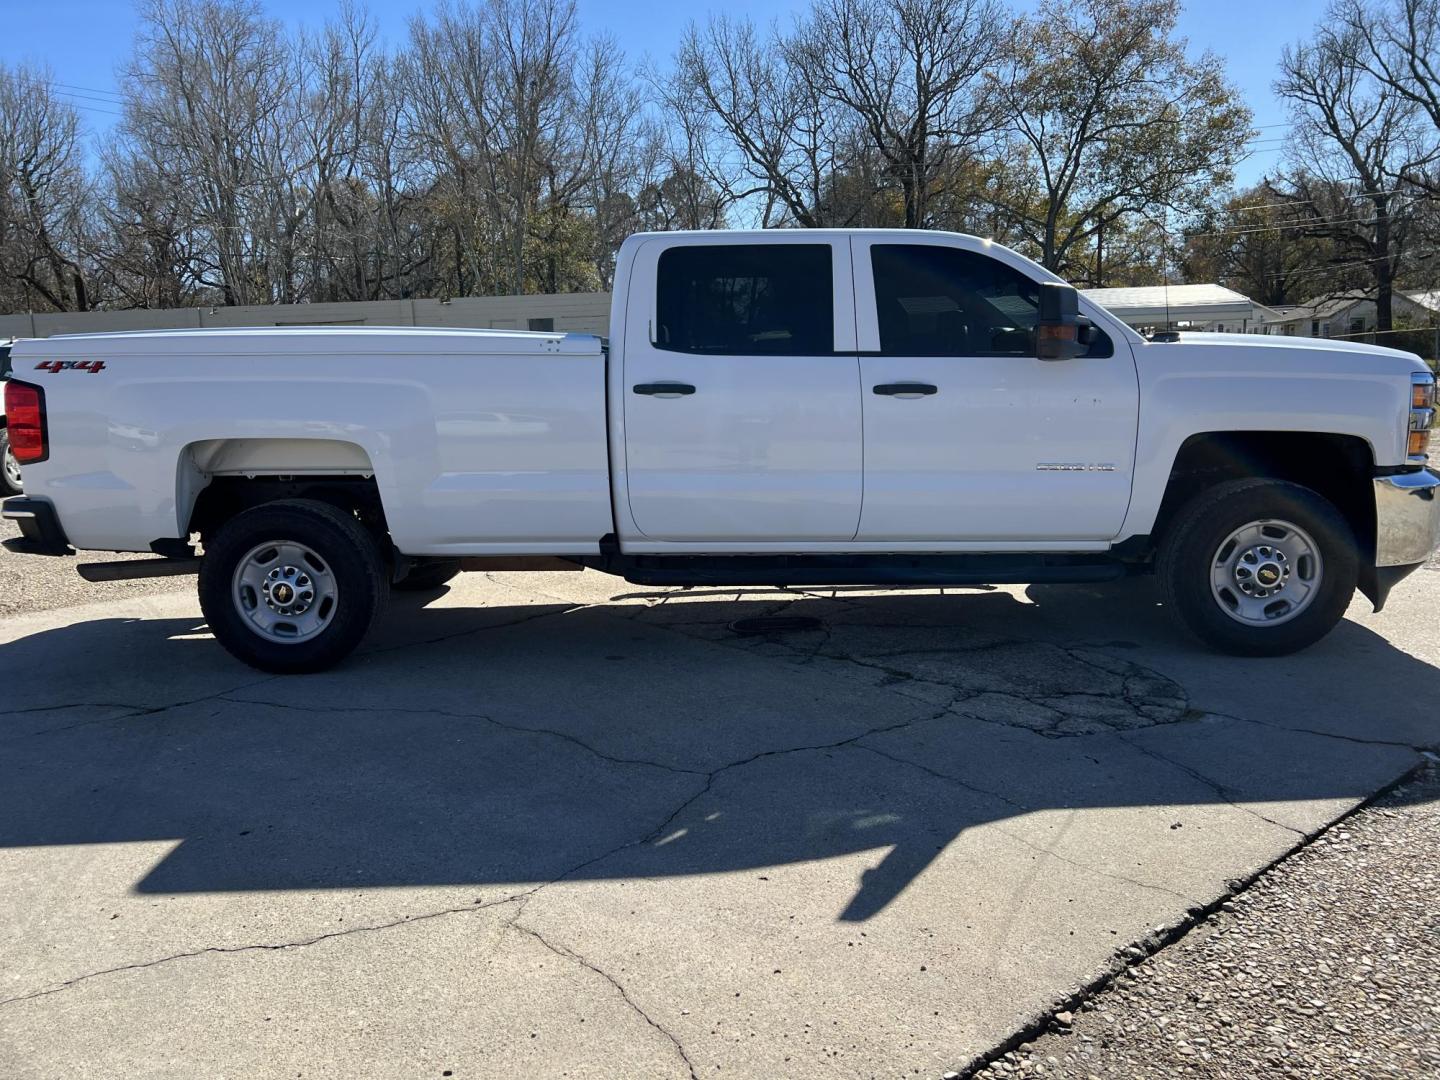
x=1407, y=530
x=40, y=531
x=1407, y=518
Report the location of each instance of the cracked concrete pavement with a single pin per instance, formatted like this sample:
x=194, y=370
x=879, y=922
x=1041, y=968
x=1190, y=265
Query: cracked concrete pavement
x=554, y=824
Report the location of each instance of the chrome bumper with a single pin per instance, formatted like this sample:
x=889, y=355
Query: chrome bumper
x=1407, y=518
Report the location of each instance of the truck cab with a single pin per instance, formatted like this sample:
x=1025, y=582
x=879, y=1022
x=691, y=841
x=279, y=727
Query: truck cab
x=791, y=407
x=858, y=391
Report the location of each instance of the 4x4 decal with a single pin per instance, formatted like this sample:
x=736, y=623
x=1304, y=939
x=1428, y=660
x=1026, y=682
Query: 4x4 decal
x=94, y=367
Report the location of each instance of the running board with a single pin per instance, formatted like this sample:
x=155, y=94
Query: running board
x=922, y=570
x=135, y=569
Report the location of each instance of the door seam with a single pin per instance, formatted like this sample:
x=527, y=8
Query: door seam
x=859, y=381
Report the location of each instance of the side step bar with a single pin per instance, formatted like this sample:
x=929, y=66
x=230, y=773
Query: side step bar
x=135, y=569
x=921, y=570
x=996, y=569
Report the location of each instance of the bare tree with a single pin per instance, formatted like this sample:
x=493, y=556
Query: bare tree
x=536, y=41
x=1352, y=136
x=908, y=73
x=497, y=150
x=680, y=199
x=621, y=150
x=1108, y=121
x=144, y=257
x=358, y=240
x=210, y=97
x=755, y=125
x=339, y=76
x=493, y=100
x=44, y=195
x=1397, y=42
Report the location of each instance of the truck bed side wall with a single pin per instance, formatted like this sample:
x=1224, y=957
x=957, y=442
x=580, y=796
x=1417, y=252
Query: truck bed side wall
x=472, y=454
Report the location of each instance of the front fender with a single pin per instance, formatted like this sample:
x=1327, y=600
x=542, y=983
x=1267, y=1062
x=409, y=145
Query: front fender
x=1201, y=389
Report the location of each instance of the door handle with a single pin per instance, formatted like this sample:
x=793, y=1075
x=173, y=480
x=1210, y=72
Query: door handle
x=664, y=389
x=907, y=389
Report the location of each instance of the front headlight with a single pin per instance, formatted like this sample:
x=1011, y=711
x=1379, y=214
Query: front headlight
x=1422, y=415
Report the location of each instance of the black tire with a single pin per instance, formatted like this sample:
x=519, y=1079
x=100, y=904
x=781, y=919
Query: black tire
x=8, y=486
x=1192, y=542
x=427, y=576
x=351, y=555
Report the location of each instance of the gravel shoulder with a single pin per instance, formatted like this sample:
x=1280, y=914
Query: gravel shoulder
x=1329, y=966
x=31, y=583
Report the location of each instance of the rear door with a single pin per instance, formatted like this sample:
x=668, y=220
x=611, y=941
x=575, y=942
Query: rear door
x=968, y=436
x=741, y=391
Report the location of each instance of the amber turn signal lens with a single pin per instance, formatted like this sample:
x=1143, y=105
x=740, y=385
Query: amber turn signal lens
x=1422, y=395
x=1419, y=443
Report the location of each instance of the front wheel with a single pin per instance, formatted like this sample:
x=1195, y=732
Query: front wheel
x=1258, y=567
x=291, y=586
x=10, y=482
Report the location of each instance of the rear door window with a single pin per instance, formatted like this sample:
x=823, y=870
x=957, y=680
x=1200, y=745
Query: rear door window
x=746, y=300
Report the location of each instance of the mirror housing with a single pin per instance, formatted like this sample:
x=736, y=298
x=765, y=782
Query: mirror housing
x=1062, y=333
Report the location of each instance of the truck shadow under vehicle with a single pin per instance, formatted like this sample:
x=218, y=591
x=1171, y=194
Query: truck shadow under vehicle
x=597, y=743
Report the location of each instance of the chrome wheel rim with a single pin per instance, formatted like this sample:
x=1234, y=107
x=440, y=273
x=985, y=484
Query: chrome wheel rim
x=284, y=591
x=12, y=467
x=1266, y=573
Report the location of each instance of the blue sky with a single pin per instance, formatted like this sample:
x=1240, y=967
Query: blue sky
x=84, y=40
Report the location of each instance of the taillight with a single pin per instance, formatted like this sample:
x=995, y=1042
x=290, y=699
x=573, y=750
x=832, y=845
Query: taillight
x=25, y=421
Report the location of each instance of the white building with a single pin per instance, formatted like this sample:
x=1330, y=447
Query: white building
x=1351, y=316
x=1183, y=307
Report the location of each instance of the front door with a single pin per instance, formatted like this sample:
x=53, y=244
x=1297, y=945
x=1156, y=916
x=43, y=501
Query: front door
x=968, y=436
x=742, y=392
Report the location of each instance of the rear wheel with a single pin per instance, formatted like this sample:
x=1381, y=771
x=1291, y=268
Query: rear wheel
x=1259, y=567
x=291, y=586
x=10, y=482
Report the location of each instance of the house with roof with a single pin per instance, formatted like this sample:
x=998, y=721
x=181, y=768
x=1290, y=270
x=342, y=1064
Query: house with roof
x=1351, y=316
x=1183, y=307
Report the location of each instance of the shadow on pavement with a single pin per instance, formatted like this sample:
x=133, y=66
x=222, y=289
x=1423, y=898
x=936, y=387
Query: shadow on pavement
x=500, y=746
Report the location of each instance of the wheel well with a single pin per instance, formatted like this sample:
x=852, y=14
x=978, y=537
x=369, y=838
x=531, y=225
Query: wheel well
x=225, y=496
x=1338, y=467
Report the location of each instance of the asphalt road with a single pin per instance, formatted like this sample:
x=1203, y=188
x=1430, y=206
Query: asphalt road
x=30, y=583
x=554, y=825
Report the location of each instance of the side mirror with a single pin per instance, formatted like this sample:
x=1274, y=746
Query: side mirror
x=1062, y=332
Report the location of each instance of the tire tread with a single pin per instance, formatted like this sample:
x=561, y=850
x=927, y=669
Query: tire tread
x=1195, y=607
x=350, y=549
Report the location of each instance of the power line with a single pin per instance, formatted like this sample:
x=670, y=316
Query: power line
x=92, y=108
x=90, y=90
x=1311, y=202
x=1249, y=230
x=1376, y=333
x=1306, y=271
x=81, y=94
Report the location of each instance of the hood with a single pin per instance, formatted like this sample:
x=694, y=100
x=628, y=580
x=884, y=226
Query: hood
x=1273, y=350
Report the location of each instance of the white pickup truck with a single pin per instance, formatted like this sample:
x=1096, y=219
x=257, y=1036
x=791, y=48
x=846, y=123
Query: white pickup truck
x=787, y=407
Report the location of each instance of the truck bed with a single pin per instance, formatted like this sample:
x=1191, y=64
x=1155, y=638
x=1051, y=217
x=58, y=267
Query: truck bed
x=474, y=433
